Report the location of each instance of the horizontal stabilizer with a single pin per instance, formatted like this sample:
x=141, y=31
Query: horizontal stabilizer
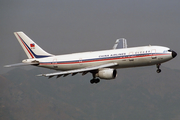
x=20, y=64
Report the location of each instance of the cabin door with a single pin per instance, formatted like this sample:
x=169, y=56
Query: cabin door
x=153, y=53
x=131, y=57
x=80, y=61
x=55, y=63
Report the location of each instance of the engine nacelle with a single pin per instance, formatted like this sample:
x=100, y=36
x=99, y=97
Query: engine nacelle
x=107, y=73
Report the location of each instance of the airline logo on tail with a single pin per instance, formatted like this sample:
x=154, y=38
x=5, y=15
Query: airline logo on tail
x=32, y=45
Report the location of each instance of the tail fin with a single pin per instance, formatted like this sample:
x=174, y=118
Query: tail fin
x=31, y=49
x=120, y=43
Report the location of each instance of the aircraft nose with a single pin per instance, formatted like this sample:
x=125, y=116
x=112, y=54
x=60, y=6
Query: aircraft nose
x=174, y=54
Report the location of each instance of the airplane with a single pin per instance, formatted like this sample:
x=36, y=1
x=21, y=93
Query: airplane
x=101, y=64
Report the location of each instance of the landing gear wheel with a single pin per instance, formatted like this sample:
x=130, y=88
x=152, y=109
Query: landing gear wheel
x=92, y=81
x=158, y=70
x=95, y=81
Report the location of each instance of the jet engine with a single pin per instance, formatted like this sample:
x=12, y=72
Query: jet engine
x=107, y=73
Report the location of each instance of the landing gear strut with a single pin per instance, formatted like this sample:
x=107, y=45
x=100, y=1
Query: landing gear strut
x=158, y=66
x=94, y=80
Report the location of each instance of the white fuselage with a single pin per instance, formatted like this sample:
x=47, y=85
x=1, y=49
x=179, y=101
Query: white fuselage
x=128, y=57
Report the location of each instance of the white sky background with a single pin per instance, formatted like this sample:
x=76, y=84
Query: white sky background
x=66, y=26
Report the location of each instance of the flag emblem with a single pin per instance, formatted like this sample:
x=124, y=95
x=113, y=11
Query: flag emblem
x=32, y=45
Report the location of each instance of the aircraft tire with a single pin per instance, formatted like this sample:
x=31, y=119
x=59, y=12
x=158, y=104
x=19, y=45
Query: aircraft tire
x=92, y=81
x=158, y=70
x=97, y=80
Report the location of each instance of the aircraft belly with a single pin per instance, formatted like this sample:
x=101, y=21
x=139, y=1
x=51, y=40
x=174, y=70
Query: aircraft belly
x=70, y=66
x=81, y=65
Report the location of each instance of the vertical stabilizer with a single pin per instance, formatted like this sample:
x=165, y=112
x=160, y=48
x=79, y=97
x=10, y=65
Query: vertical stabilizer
x=120, y=43
x=31, y=49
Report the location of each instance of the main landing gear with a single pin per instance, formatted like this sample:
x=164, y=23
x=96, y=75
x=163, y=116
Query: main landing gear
x=94, y=80
x=158, y=66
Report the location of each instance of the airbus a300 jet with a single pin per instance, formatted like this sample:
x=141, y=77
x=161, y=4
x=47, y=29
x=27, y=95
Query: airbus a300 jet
x=101, y=64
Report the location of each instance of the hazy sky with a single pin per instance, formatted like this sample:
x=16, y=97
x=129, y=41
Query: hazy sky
x=66, y=26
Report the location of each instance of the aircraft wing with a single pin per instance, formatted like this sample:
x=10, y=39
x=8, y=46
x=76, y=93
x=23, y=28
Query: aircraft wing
x=73, y=72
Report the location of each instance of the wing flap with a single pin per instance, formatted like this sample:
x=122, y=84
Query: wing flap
x=73, y=72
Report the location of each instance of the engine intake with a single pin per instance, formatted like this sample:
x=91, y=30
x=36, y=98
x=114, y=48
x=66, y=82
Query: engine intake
x=107, y=73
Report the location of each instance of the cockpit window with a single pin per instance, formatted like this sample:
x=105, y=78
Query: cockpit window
x=169, y=50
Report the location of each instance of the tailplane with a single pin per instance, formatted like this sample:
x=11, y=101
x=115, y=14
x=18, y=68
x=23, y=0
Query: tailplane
x=31, y=49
